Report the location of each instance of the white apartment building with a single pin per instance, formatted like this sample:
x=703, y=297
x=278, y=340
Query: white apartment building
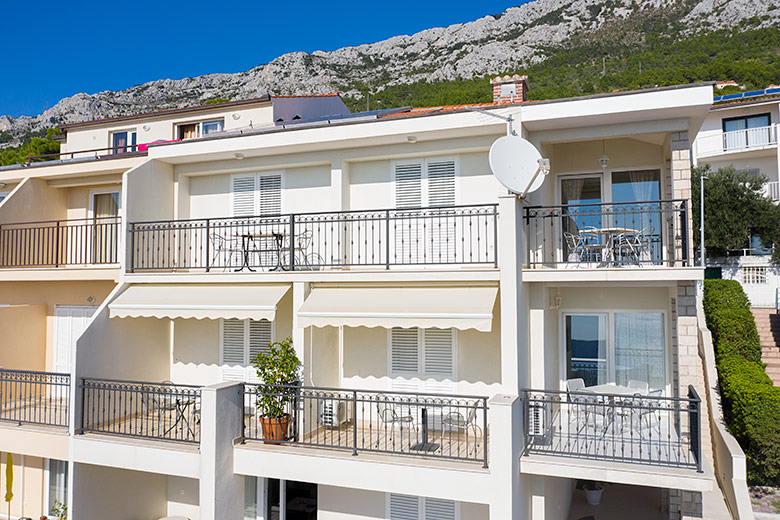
x=743, y=133
x=466, y=354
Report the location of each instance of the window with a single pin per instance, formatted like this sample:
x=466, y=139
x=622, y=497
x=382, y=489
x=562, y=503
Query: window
x=747, y=131
x=422, y=359
x=199, y=129
x=57, y=486
x=407, y=507
x=123, y=141
x=256, y=194
x=105, y=234
x=242, y=340
x=427, y=182
x=753, y=274
x=615, y=347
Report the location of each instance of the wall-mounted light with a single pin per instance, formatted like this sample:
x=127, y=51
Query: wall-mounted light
x=604, y=159
x=555, y=299
x=411, y=139
x=146, y=128
x=236, y=116
x=2, y=185
x=90, y=299
x=238, y=156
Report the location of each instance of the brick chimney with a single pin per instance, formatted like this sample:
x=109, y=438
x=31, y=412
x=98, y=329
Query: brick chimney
x=509, y=89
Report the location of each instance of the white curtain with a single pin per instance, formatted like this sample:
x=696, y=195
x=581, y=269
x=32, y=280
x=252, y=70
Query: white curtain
x=642, y=184
x=639, y=348
x=572, y=189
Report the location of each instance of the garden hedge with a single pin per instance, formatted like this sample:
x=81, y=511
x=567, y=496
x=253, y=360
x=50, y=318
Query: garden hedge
x=751, y=403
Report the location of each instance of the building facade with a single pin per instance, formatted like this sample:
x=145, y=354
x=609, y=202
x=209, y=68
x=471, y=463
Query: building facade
x=465, y=353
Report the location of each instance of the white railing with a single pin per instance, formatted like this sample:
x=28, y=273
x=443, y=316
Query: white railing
x=735, y=141
x=772, y=190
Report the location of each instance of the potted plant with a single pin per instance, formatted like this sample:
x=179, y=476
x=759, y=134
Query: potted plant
x=593, y=490
x=280, y=371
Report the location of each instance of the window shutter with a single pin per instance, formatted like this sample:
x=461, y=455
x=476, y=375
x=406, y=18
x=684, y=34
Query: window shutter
x=404, y=351
x=270, y=194
x=408, y=185
x=259, y=338
x=233, y=339
x=242, y=188
x=404, y=507
x=438, y=358
x=437, y=509
x=441, y=183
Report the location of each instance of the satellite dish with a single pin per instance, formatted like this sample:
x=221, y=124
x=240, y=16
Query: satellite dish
x=517, y=164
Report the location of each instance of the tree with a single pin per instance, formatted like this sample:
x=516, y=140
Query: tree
x=735, y=208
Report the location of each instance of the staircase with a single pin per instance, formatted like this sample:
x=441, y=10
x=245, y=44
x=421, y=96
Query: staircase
x=768, y=324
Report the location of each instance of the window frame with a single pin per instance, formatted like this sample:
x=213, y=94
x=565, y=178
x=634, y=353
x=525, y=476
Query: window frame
x=424, y=178
x=130, y=148
x=422, y=374
x=611, y=347
x=257, y=194
x=745, y=117
x=198, y=127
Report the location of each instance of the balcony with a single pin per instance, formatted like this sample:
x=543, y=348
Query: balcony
x=36, y=398
x=379, y=239
x=144, y=410
x=736, y=141
x=635, y=429
x=60, y=243
x=433, y=426
x=608, y=235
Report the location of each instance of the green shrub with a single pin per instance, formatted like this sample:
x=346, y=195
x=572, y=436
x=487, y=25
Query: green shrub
x=751, y=403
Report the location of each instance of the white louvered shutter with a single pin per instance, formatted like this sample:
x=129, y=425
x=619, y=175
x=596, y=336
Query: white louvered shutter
x=242, y=189
x=408, y=229
x=405, y=359
x=443, y=227
x=233, y=351
x=437, y=509
x=270, y=194
x=259, y=338
x=438, y=357
x=404, y=507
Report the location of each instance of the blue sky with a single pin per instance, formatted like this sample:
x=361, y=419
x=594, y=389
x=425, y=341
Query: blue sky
x=56, y=49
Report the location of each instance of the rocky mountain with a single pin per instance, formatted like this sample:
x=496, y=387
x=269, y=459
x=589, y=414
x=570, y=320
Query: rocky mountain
x=494, y=44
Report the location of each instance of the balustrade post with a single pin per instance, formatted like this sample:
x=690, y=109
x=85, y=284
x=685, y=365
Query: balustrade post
x=57, y=245
x=208, y=251
x=684, y=231
x=354, y=423
x=387, y=239
x=131, y=233
x=484, y=433
x=292, y=242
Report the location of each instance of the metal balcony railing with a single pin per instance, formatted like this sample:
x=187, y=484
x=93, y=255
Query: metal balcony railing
x=608, y=235
x=30, y=397
x=735, y=141
x=60, y=243
x=161, y=411
x=641, y=429
x=460, y=235
x=438, y=426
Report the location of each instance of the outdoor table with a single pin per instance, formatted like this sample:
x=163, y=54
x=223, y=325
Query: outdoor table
x=248, y=238
x=608, y=249
x=425, y=445
x=181, y=406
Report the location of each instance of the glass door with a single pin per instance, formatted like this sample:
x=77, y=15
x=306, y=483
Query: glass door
x=581, y=217
x=105, y=227
x=586, y=348
x=639, y=348
x=636, y=216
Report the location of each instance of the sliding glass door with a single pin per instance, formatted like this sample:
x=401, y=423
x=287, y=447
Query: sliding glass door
x=615, y=347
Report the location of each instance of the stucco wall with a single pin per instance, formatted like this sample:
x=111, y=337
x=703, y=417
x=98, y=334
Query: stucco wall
x=183, y=498
x=33, y=200
x=23, y=340
x=48, y=294
x=101, y=492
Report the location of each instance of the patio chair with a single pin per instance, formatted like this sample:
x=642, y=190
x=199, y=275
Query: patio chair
x=651, y=411
x=160, y=403
x=388, y=417
x=225, y=251
x=456, y=420
x=640, y=387
x=581, y=403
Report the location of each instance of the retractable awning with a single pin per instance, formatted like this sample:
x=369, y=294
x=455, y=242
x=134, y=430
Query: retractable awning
x=424, y=307
x=206, y=301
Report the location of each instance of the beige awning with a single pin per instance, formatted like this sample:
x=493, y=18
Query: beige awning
x=198, y=301
x=425, y=307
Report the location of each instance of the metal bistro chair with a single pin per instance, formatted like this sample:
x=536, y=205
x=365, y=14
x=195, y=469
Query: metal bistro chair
x=225, y=250
x=388, y=417
x=455, y=420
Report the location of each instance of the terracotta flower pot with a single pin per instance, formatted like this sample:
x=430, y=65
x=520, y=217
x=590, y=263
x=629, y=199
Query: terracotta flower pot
x=275, y=428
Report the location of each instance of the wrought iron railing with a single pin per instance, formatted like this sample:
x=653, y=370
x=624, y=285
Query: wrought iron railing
x=618, y=234
x=162, y=411
x=642, y=429
x=59, y=243
x=461, y=235
x=401, y=423
x=30, y=397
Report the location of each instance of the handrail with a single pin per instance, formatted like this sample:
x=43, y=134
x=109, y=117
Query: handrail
x=91, y=150
x=60, y=221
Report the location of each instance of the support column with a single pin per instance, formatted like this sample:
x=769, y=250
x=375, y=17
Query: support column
x=514, y=337
x=300, y=291
x=508, y=501
x=339, y=183
x=221, y=491
x=681, y=180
